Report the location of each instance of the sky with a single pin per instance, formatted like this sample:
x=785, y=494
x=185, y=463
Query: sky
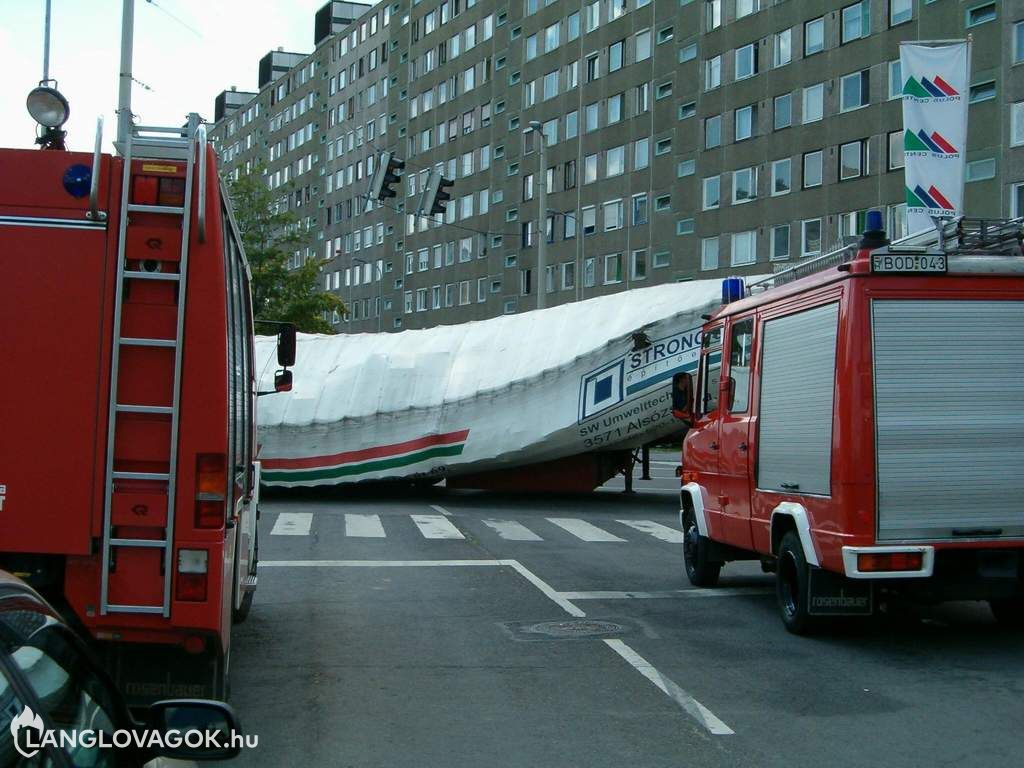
x=186, y=52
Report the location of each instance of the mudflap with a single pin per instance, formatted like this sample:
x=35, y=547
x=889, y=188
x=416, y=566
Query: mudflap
x=148, y=672
x=832, y=594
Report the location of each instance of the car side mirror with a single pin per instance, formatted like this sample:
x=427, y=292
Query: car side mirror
x=283, y=381
x=682, y=397
x=180, y=720
x=286, y=345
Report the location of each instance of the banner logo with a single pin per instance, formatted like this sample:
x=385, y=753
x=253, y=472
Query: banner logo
x=935, y=144
x=931, y=201
x=926, y=89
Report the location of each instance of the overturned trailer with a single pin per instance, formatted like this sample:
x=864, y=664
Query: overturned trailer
x=550, y=399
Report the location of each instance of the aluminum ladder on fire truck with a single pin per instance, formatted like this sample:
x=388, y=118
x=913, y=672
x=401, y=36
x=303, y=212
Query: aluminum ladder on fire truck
x=186, y=144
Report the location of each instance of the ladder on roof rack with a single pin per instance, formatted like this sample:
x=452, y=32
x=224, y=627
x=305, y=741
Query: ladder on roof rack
x=960, y=236
x=123, y=482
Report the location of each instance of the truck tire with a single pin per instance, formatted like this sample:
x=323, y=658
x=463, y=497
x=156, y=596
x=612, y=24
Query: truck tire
x=701, y=571
x=791, y=583
x=241, y=613
x=1009, y=611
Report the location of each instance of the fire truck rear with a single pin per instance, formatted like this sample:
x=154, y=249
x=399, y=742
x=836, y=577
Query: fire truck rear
x=128, y=472
x=857, y=425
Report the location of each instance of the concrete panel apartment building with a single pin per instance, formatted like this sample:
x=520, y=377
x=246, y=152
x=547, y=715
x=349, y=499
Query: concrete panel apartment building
x=684, y=139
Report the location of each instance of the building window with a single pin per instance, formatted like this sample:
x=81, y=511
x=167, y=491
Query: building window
x=568, y=275
x=662, y=91
x=981, y=14
x=593, y=16
x=662, y=259
x=663, y=147
x=745, y=8
x=638, y=264
x=895, y=159
x=643, y=98
x=782, y=50
x=665, y=34
x=1017, y=124
x=572, y=120
x=552, y=35
x=686, y=168
x=689, y=52
x=744, y=249
x=981, y=170
x=782, y=176
x=853, y=159
x=531, y=47
x=613, y=268
x=783, y=111
x=687, y=110
x=1018, y=42
x=589, y=169
x=814, y=36
x=712, y=14
x=814, y=103
x=639, y=212
x=615, y=108
x=641, y=154
x=895, y=80
x=712, y=131
x=744, y=185
x=854, y=90
x=642, y=45
x=615, y=51
x=593, y=67
x=712, y=188
x=525, y=280
x=810, y=237
x=746, y=61
x=709, y=253
x=900, y=11
x=744, y=122
x=982, y=92
x=588, y=216
x=1017, y=200
x=615, y=162
x=684, y=227
x=712, y=73
x=856, y=21
x=612, y=211
x=812, y=169
x=663, y=203
x=550, y=85
x=780, y=242
x=589, y=272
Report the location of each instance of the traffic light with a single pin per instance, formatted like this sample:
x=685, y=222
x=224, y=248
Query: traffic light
x=388, y=172
x=435, y=194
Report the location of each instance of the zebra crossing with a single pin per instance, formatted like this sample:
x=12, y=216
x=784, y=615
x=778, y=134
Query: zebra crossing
x=446, y=527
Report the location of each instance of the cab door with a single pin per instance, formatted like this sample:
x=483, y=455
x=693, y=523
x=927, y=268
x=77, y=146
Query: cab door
x=702, y=449
x=734, y=432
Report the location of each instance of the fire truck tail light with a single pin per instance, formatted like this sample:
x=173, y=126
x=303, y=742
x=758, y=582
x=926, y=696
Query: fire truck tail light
x=158, y=190
x=191, y=581
x=209, y=513
x=211, y=473
x=890, y=561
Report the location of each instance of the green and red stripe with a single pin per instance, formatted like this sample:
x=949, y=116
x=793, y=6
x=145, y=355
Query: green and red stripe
x=365, y=460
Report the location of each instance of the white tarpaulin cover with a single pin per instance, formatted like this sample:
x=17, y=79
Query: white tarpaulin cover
x=513, y=390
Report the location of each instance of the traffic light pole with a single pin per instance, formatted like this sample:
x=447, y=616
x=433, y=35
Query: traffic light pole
x=542, y=229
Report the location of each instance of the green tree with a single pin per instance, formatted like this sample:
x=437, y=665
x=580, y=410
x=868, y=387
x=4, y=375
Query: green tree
x=269, y=237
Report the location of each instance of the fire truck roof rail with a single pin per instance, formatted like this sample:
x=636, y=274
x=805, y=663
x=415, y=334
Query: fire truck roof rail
x=960, y=236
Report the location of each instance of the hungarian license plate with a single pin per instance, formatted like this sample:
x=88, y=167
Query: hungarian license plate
x=909, y=262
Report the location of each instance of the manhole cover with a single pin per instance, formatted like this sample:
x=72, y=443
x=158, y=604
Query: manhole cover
x=575, y=628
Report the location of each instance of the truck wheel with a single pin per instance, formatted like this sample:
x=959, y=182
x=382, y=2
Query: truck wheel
x=241, y=613
x=791, y=583
x=701, y=571
x=1009, y=611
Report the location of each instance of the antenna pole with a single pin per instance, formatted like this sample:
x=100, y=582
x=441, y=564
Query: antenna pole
x=46, y=45
x=124, y=94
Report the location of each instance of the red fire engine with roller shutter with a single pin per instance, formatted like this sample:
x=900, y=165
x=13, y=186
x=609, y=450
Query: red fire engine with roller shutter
x=857, y=424
x=128, y=459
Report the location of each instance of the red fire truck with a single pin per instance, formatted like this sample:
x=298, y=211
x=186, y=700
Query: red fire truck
x=128, y=472
x=857, y=425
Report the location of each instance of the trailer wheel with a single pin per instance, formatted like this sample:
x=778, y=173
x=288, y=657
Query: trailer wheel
x=791, y=584
x=701, y=571
x=1009, y=612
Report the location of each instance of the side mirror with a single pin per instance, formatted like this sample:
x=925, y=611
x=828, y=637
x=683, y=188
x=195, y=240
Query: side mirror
x=286, y=345
x=195, y=729
x=682, y=397
x=283, y=381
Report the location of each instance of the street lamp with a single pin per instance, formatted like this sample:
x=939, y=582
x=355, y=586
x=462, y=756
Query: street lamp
x=542, y=207
x=379, y=274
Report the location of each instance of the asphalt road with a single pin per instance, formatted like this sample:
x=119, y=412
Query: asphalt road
x=456, y=629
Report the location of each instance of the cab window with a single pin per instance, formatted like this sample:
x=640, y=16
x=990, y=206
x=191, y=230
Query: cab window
x=711, y=369
x=741, y=343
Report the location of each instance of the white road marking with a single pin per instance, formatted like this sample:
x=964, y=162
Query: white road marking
x=665, y=463
x=436, y=527
x=364, y=526
x=292, y=524
x=704, y=716
x=657, y=530
x=442, y=510
x=581, y=529
x=511, y=530
x=687, y=593
x=374, y=563
x=543, y=586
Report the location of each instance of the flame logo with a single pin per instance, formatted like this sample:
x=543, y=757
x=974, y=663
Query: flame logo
x=29, y=721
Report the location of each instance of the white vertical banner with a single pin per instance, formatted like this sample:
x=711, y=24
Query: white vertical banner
x=936, y=82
